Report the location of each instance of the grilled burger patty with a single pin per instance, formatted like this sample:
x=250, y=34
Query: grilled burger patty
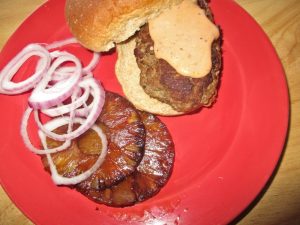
x=161, y=81
x=151, y=174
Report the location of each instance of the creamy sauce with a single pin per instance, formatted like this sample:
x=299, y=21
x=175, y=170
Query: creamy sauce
x=183, y=36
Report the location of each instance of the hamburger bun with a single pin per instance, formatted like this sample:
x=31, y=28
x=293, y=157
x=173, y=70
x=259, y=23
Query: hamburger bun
x=99, y=24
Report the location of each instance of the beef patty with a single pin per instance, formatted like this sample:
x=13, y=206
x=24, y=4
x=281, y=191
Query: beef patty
x=161, y=81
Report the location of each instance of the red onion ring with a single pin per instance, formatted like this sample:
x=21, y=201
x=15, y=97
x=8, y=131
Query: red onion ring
x=84, y=112
x=27, y=142
x=58, y=44
x=99, y=98
x=54, y=83
x=64, y=109
x=42, y=98
x=93, y=63
x=65, y=72
x=11, y=88
x=62, y=74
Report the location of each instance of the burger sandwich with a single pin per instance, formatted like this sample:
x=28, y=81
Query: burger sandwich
x=169, y=51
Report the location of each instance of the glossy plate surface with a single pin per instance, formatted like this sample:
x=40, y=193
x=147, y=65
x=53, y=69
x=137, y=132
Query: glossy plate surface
x=224, y=154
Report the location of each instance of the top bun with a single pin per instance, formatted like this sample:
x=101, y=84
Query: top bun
x=99, y=24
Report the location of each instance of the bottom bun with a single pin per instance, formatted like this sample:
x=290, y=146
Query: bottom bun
x=128, y=74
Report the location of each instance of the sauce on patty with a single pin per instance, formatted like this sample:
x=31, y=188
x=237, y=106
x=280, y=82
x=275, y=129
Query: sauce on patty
x=183, y=36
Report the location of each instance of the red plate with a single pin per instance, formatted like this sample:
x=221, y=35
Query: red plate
x=224, y=155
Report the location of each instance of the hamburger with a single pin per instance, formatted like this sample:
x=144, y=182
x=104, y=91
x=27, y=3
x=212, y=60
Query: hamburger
x=169, y=52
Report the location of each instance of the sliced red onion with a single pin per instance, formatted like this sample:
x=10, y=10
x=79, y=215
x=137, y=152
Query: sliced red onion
x=59, y=44
x=99, y=98
x=42, y=98
x=64, y=72
x=64, y=109
x=72, y=111
x=92, y=64
x=29, y=145
x=85, y=111
x=58, y=179
x=88, y=75
x=11, y=88
x=55, y=54
x=53, y=83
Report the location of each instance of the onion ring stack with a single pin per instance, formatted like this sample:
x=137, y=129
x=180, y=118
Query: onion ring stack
x=53, y=83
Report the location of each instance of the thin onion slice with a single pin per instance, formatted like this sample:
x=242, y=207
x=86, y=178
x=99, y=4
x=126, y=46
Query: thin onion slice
x=11, y=88
x=29, y=145
x=58, y=44
x=93, y=63
x=53, y=82
x=65, y=72
x=99, y=98
x=58, y=179
x=84, y=112
x=64, y=109
x=42, y=98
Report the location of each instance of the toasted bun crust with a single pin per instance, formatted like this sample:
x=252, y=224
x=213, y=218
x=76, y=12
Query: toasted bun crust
x=128, y=74
x=99, y=24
